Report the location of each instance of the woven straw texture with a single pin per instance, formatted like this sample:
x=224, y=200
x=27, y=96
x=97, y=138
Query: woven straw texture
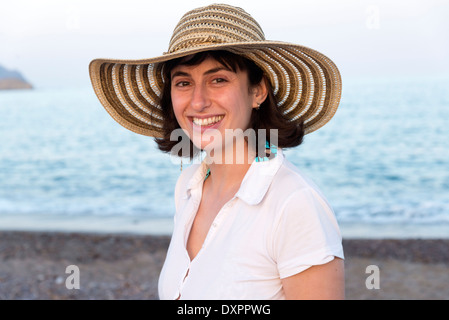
x=307, y=84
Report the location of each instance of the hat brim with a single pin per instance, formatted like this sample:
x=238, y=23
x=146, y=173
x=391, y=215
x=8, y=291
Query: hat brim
x=307, y=84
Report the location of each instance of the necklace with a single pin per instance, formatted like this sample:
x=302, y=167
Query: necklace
x=207, y=174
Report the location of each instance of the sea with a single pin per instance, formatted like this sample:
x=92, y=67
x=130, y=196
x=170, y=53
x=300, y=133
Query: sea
x=382, y=162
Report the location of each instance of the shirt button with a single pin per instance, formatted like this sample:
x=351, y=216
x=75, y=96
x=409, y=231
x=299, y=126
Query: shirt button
x=214, y=224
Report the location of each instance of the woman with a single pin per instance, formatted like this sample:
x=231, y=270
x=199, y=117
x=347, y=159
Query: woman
x=248, y=224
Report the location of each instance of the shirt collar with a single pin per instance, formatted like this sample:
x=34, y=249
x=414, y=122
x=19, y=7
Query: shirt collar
x=255, y=184
x=197, y=179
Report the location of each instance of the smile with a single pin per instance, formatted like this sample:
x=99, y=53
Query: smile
x=207, y=121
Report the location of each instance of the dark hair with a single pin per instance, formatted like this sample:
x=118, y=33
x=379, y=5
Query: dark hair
x=290, y=133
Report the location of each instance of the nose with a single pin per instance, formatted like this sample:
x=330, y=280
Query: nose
x=200, y=98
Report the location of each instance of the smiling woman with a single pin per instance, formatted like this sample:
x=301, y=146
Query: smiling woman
x=252, y=230
x=203, y=94
x=223, y=71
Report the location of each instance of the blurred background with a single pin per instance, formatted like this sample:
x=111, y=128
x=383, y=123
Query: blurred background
x=382, y=161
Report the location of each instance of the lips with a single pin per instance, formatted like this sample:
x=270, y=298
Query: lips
x=205, y=122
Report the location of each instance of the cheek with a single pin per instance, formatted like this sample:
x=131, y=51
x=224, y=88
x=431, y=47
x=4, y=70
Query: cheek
x=242, y=110
x=178, y=108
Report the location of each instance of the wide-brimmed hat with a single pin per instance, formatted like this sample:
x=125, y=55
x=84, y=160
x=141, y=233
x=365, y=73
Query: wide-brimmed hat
x=306, y=84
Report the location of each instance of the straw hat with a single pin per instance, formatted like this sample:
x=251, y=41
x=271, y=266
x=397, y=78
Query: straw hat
x=306, y=83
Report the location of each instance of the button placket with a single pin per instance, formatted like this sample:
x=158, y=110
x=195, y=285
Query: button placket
x=212, y=231
x=217, y=221
x=187, y=227
x=184, y=278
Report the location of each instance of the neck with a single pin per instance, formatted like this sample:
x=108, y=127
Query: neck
x=228, y=173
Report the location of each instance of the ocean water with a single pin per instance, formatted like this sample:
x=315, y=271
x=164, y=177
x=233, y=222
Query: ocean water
x=382, y=160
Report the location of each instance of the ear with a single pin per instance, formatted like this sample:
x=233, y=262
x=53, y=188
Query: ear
x=260, y=93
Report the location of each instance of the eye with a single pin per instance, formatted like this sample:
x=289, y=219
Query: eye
x=182, y=84
x=219, y=80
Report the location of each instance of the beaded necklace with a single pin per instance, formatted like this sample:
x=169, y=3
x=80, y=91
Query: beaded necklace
x=273, y=151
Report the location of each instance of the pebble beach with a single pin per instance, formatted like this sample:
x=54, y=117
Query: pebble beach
x=126, y=266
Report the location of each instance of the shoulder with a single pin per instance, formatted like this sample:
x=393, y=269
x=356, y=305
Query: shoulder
x=304, y=228
x=298, y=201
x=290, y=182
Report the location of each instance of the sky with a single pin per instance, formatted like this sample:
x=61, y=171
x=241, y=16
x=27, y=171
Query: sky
x=52, y=41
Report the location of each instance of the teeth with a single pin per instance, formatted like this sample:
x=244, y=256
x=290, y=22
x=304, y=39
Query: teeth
x=207, y=121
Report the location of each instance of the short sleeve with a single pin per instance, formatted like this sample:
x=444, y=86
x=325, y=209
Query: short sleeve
x=306, y=233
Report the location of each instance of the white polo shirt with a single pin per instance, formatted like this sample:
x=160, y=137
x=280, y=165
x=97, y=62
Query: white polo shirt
x=277, y=225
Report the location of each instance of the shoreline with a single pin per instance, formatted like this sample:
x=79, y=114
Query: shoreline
x=143, y=225
x=127, y=266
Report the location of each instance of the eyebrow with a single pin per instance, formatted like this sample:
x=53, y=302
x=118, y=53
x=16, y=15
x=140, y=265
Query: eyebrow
x=211, y=71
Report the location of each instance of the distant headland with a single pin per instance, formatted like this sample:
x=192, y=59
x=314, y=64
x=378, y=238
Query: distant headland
x=10, y=80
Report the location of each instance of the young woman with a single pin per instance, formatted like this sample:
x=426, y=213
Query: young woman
x=248, y=224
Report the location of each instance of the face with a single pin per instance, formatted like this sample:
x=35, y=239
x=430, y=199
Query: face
x=209, y=98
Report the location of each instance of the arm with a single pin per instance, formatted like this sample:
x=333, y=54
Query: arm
x=320, y=282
